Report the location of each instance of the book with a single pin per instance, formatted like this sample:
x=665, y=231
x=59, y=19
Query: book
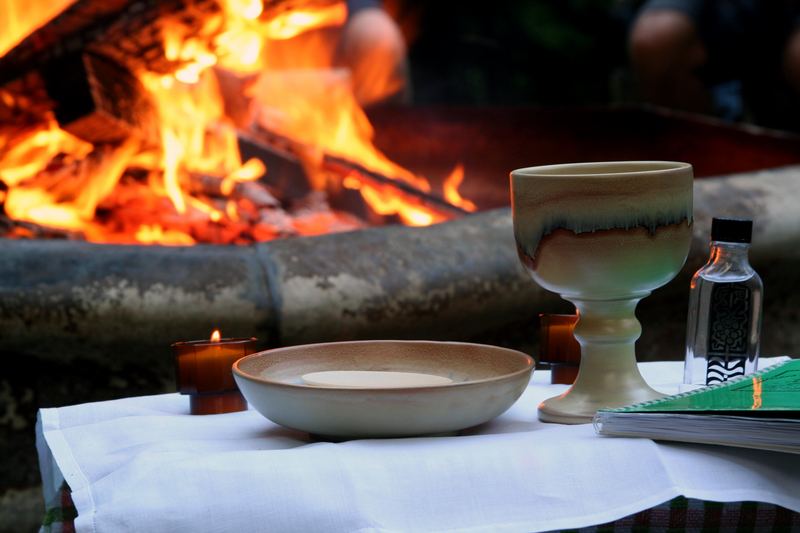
x=760, y=410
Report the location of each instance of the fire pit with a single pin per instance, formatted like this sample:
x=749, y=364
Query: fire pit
x=455, y=280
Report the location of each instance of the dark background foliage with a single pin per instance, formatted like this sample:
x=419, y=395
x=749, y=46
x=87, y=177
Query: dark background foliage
x=548, y=52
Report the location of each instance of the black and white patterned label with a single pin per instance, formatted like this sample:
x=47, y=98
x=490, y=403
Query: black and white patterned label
x=721, y=368
x=728, y=327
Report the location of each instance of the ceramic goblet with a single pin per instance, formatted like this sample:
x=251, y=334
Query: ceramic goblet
x=603, y=236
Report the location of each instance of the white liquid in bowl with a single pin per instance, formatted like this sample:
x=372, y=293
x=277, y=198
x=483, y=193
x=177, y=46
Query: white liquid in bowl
x=373, y=379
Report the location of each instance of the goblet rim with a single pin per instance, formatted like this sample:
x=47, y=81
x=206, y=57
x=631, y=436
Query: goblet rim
x=613, y=169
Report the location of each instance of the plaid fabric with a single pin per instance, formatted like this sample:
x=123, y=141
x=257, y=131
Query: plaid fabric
x=682, y=514
x=60, y=514
x=674, y=516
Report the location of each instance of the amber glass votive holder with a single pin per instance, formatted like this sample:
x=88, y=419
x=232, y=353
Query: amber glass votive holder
x=558, y=347
x=203, y=371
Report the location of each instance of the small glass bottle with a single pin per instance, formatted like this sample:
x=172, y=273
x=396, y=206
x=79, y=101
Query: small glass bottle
x=725, y=299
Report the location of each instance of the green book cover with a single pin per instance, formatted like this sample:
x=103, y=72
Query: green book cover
x=759, y=411
x=774, y=390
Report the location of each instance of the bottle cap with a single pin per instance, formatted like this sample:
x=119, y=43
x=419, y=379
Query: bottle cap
x=731, y=230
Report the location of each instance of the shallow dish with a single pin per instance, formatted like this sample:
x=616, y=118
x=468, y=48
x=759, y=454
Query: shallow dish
x=486, y=380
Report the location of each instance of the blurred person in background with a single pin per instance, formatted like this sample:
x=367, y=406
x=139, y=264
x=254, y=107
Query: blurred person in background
x=737, y=58
x=372, y=47
x=368, y=44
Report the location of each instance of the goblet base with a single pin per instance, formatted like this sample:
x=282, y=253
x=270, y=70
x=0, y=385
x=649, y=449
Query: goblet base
x=578, y=406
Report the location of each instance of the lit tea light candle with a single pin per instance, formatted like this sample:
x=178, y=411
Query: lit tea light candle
x=558, y=346
x=203, y=371
x=373, y=379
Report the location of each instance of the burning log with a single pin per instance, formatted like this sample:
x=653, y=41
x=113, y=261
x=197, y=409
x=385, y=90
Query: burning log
x=285, y=171
x=253, y=191
x=344, y=168
x=29, y=230
x=283, y=158
x=459, y=280
x=127, y=31
x=312, y=215
x=80, y=23
x=96, y=99
x=270, y=220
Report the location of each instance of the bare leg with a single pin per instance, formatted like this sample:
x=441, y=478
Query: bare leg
x=374, y=50
x=666, y=52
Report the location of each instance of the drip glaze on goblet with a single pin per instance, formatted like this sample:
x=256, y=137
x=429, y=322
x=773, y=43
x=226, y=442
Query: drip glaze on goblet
x=603, y=228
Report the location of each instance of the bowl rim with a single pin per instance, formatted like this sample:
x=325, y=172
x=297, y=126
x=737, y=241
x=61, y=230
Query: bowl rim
x=552, y=171
x=529, y=366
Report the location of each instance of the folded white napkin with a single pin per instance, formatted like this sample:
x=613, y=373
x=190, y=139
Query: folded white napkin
x=145, y=464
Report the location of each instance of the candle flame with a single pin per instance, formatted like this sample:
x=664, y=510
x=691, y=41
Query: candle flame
x=215, y=336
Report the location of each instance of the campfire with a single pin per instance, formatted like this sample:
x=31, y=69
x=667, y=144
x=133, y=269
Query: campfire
x=170, y=123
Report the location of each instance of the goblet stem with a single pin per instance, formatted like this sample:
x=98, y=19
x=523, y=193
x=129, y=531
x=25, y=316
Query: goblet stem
x=608, y=377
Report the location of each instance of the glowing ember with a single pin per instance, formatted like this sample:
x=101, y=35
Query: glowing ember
x=215, y=336
x=189, y=184
x=155, y=234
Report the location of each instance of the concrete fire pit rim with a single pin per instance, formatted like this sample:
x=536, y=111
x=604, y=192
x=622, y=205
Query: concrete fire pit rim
x=526, y=360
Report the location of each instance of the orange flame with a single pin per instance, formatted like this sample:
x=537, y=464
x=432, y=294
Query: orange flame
x=88, y=188
x=215, y=336
x=292, y=23
x=384, y=201
x=318, y=108
x=27, y=154
x=240, y=47
x=450, y=188
x=250, y=171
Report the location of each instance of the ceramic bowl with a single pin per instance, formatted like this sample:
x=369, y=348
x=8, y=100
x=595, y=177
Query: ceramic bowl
x=486, y=380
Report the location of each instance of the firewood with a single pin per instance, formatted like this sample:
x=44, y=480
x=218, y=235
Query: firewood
x=19, y=229
x=253, y=191
x=97, y=99
x=256, y=193
x=259, y=138
x=324, y=222
x=77, y=25
x=278, y=220
x=127, y=31
x=285, y=171
x=344, y=168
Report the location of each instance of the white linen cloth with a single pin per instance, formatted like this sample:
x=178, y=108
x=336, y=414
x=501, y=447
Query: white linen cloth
x=145, y=464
